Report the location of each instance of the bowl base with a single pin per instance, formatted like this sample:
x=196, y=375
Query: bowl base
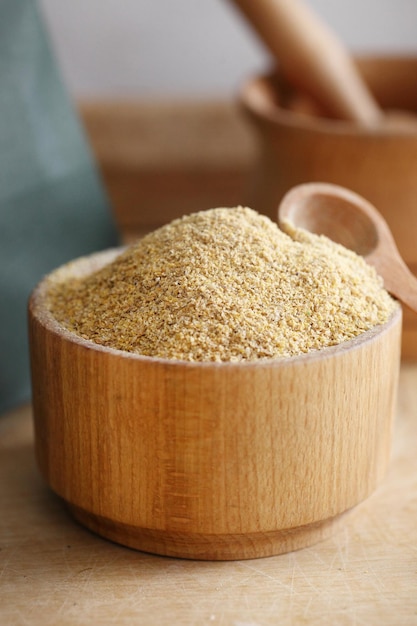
x=219, y=547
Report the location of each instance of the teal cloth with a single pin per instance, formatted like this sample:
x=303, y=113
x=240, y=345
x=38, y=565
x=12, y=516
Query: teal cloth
x=52, y=203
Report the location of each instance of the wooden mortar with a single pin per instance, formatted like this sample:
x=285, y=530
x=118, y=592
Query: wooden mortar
x=210, y=460
x=298, y=145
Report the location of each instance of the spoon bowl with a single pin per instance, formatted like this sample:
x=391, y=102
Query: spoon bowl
x=348, y=219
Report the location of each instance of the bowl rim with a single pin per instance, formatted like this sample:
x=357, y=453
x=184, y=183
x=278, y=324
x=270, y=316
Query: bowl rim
x=253, y=97
x=39, y=311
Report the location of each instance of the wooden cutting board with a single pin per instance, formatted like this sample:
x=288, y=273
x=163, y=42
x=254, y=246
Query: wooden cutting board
x=54, y=572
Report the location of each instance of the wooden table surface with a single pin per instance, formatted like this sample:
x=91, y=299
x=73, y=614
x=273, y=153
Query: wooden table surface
x=54, y=572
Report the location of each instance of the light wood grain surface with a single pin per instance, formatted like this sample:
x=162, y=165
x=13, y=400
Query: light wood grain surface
x=54, y=572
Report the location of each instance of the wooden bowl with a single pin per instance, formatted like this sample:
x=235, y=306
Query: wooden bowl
x=298, y=145
x=210, y=460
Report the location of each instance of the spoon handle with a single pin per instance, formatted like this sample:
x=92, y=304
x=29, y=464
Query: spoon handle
x=312, y=57
x=398, y=279
x=388, y=262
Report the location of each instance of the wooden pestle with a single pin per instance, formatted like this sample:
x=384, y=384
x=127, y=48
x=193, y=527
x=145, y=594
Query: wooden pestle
x=313, y=58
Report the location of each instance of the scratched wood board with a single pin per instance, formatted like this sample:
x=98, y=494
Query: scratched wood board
x=54, y=572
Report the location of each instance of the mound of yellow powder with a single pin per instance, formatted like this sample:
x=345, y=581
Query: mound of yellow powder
x=224, y=285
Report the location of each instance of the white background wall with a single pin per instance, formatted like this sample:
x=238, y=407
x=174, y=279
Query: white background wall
x=198, y=48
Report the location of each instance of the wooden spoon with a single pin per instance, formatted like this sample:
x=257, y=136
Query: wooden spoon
x=313, y=58
x=348, y=219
